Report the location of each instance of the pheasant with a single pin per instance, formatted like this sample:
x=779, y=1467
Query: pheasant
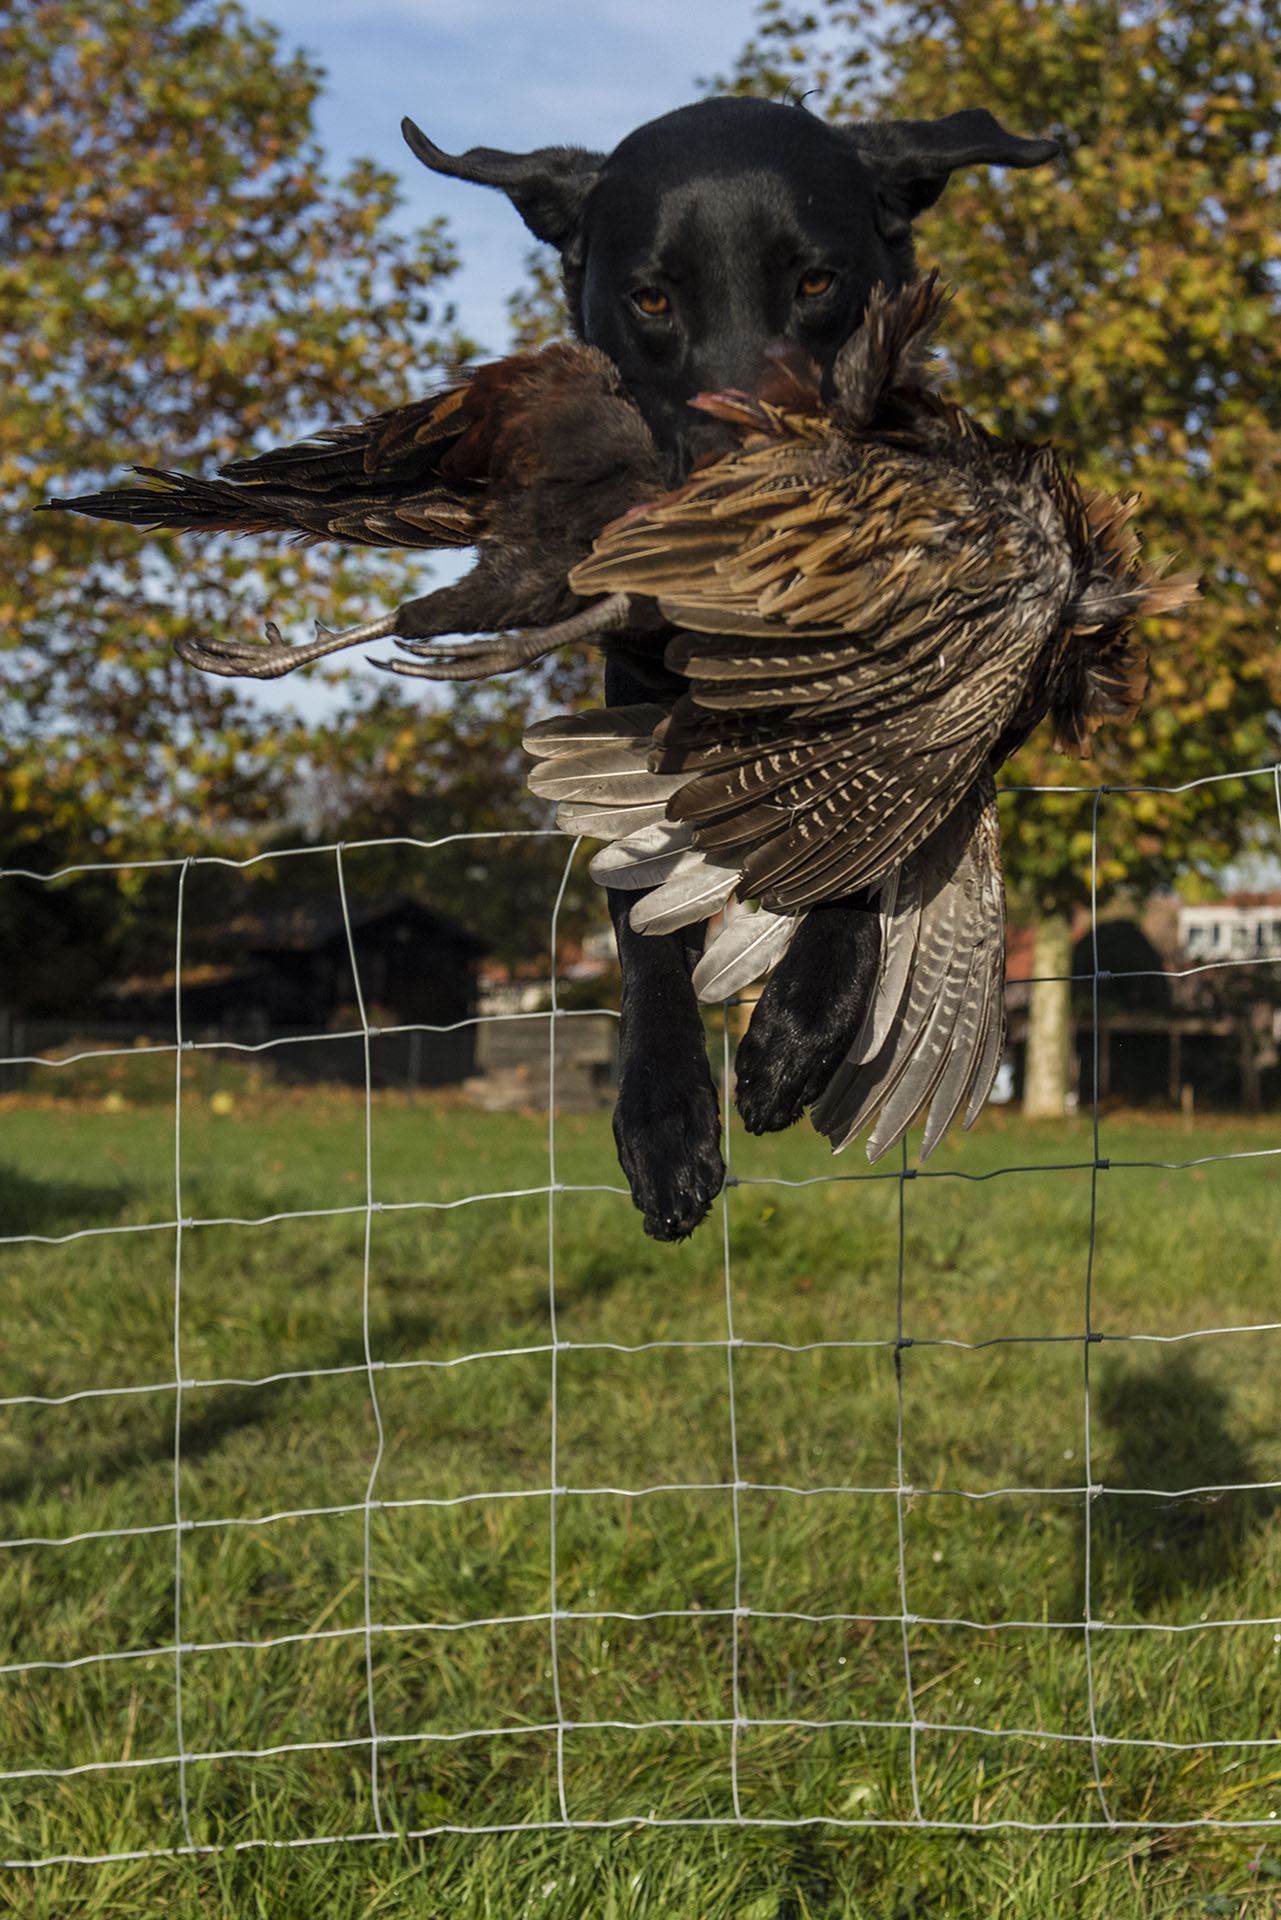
x=525, y=459
x=875, y=601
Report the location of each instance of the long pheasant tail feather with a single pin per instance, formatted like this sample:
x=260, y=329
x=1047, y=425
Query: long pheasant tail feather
x=181, y=502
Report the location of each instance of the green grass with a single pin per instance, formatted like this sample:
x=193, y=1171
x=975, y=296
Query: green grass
x=997, y=1266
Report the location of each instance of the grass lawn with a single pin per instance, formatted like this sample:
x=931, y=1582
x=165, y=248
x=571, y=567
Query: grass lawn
x=834, y=1573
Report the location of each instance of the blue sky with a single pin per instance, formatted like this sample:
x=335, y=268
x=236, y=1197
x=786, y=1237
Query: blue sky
x=500, y=73
x=489, y=73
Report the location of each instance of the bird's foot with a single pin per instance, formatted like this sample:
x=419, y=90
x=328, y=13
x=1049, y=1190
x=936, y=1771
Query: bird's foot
x=269, y=661
x=505, y=652
x=468, y=659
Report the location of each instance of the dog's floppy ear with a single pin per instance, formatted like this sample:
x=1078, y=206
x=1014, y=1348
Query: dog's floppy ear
x=548, y=187
x=914, y=158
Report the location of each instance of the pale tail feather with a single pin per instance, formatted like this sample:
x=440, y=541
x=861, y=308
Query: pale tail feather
x=692, y=894
x=607, y=823
x=747, y=946
x=570, y=732
x=608, y=776
x=645, y=858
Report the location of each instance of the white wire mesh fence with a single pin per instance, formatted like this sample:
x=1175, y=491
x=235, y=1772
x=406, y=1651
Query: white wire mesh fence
x=1081, y=1714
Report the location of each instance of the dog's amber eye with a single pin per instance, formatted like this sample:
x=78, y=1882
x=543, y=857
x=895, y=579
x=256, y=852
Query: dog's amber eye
x=652, y=300
x=816, y=281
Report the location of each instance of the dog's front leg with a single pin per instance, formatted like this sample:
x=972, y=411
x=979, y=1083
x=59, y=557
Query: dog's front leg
x=809, y=1014
x=667, y=1121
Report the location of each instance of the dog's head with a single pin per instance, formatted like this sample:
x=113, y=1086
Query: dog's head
x=727, y=228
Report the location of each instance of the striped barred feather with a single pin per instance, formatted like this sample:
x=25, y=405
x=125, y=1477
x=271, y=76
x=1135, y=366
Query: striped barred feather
x=935, y=1030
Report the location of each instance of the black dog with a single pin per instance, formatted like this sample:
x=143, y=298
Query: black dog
x=706, y=238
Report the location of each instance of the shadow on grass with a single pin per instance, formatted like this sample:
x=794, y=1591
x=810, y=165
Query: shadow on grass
x=1162, y=1427
x=56, y=1207
x=77, y=1452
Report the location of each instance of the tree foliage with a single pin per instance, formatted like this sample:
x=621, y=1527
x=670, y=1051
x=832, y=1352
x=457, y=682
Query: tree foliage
x=538, y=311
x=178, y=281
x=1124, y=302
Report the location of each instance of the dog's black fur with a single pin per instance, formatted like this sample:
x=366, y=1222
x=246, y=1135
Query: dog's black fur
x=706, y=238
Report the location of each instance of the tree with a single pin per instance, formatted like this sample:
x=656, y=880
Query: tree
x=1125, y=303
x=178, y=280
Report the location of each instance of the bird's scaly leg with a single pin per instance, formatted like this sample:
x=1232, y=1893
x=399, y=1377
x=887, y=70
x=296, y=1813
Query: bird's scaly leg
x=278, y=657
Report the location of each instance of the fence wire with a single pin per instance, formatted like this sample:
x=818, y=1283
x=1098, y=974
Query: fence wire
x=375, y=1743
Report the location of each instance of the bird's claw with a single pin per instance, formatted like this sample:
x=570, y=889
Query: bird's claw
x=251, y=657
x=277, y=657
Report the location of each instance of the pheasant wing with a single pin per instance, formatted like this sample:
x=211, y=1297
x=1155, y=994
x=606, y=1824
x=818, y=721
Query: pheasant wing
x=861, y=618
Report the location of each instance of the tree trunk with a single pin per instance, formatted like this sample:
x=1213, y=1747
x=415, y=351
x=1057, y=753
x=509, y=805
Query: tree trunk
x=1047, y=1072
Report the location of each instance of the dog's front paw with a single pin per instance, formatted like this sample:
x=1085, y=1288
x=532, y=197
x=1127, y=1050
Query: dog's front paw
x=780, y=1070
x=668, y=1131
x=808, y=1016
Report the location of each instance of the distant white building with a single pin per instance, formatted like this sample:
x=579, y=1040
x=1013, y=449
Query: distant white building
x=1244, y=926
